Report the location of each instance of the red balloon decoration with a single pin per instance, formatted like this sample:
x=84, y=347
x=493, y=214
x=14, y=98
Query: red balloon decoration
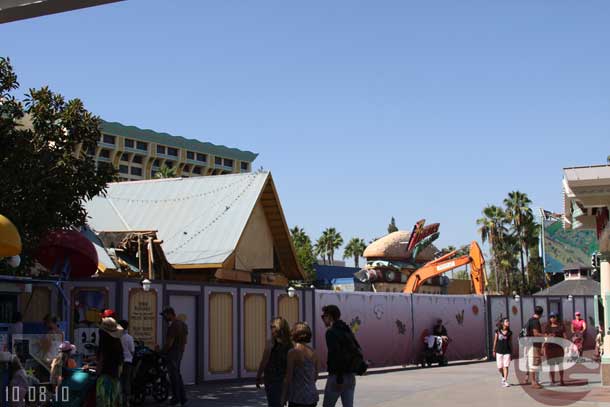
x=61, y=246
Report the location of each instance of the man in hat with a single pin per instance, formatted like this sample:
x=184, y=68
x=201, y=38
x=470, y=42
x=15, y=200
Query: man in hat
x=175, y=343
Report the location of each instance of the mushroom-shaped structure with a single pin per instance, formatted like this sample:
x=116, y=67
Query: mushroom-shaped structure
x=64, y=248
x=10, y=240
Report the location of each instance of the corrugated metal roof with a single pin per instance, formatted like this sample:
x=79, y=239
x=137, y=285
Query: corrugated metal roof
x=574, y=287
x=200, y=220
x=102, y=254
x=166, y=139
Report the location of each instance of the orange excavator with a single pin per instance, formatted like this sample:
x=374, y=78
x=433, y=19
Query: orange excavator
x=449, y=262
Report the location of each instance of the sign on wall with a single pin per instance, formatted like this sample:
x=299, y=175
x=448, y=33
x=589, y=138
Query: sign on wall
x=142, y=316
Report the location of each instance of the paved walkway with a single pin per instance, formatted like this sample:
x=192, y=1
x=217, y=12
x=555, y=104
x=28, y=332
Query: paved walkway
x=473, y=384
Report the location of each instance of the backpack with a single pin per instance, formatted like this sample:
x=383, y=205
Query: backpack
x=354, y=359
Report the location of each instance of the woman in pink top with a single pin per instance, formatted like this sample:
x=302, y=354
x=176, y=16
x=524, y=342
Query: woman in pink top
x=579, y=327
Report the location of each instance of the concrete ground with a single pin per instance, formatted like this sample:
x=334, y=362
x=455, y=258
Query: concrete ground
x=462, y=384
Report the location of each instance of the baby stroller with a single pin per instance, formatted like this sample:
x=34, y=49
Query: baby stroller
x=150, y=375
x=433, y=351
x=77, y=388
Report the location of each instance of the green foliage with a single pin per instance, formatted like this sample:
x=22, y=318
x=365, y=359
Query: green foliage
x=392, y=226
x=304, y=250
x=166, y=172
x=46, y=173
x=461, y=275
x=355, y=248
x=327, y=244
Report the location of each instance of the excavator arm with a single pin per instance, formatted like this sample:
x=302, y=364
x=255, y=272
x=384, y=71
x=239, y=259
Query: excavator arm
x=446, y=263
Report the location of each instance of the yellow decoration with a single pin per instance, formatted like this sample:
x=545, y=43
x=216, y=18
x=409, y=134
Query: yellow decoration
x=10, y=241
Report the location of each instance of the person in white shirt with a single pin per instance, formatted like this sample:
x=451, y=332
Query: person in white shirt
x=128, y=352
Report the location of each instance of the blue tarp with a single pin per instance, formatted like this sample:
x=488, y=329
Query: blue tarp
x=327, y=273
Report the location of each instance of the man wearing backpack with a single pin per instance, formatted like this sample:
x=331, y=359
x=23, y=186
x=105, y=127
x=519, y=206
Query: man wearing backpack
x=344, y=359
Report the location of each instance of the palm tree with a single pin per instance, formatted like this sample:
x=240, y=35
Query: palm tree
x=493, y=229
x=355, y=247
x=517, y=211
x=333, y=241
x=299, y=237
x=321, y=248
x=166, y=172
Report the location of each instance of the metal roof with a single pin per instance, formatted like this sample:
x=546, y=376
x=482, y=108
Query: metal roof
x=591, y=175
x=200, y=220
x=151, y=136
x=573, y=287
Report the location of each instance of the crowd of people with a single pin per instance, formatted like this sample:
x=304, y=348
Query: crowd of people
x=554, y=353
x=289, y=366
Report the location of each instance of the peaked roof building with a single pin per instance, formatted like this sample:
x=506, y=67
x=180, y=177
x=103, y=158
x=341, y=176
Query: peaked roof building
x=228, y=227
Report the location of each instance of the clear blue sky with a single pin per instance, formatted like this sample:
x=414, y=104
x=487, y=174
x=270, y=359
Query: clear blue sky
x=362, y=110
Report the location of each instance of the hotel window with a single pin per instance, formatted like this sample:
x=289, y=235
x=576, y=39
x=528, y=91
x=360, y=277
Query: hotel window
x=137, y=159
x=202, y=157
x=104, y=153
x=156, y=163
x=125, y=157
x=190, y=155
x=160, y=149
x=218, y=160
x=169, y=164
x=129, y=143
x=172, y=151
x=187, y=168
x=136, y=171
x=197, y=170
x=108, y=139
x=244, y=166
x=140, y=145
x=228, y=163
x=123, y=169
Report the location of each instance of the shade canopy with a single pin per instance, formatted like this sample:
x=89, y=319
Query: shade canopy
x=68, y=246
x=10, y=241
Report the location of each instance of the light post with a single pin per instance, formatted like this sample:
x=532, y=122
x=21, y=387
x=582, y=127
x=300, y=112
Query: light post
x=146, y=285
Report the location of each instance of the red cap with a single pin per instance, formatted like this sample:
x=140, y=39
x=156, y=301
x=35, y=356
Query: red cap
x=108, y=313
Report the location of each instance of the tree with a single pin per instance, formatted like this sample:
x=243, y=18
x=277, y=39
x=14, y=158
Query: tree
x=321, y=248
x=304, y=251
x=354, y=248
x=166, y=172
x=333, y=241
x=493, y=229
x=392, y=226
x=46, y=172
x=518, y=211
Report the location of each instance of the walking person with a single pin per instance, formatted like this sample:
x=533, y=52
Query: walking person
x=534, y=350
x=579, y=328
x=344, y=357
x=109, y=359
x=272, y=368
x=554, y=352
x=502, y=349
x=175, y=343
x=301, y=370
x=128, y=351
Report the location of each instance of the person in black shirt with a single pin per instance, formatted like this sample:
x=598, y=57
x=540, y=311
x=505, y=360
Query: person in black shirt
x=502, y=349
x=440, y=330
x=534, y=351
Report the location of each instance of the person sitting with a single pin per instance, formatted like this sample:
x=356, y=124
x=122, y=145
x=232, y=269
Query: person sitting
x=440, y=331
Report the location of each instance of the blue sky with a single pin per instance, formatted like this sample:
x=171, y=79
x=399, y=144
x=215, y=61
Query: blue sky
x=362, y=110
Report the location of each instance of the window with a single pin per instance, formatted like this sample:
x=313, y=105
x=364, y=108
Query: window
x=172, y=151
x=108, y=139
x=187, y=168
x=137, y=159
x=218, y=160
x=197, y=170
x=202, y=157
x=140, y=145
x=228, y=163
x=244, y=166
x=160, y=149
x=123, y=169
x=129, y=143
x=136, y=171
x=104, y=153
x=156, y=163
x=125, y=157
x=190, y=155
x=169, y=164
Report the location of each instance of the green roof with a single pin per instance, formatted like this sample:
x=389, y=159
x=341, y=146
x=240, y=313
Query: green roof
x=151, y=136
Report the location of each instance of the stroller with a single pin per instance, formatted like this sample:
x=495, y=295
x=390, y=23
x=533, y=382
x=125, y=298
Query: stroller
x=150, y=375
x=434, y=351
x=77, y=388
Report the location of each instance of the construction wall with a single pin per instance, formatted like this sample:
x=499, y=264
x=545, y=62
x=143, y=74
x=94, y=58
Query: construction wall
x=390, y=327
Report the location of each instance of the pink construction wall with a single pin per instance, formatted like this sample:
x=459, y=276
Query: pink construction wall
x=390, y=327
